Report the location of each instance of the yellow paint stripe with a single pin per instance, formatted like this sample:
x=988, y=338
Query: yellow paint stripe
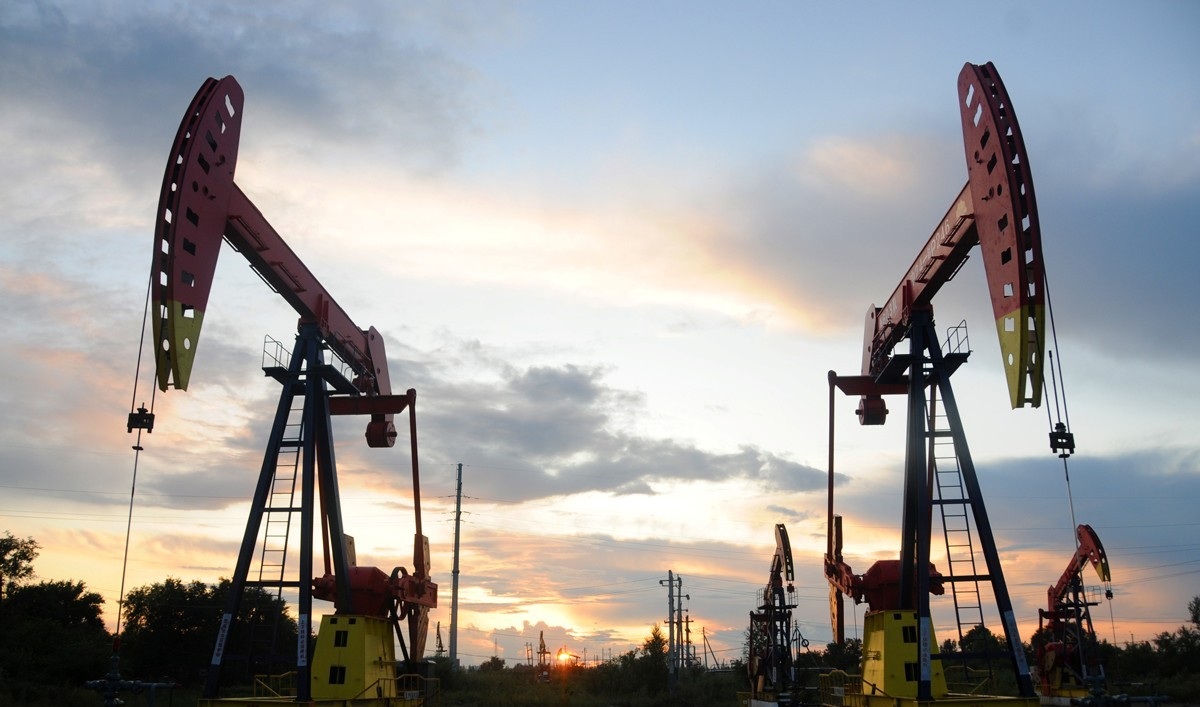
x=1022, y=346
x=175, y=353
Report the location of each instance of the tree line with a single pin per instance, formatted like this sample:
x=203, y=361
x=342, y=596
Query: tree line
x=54, y=641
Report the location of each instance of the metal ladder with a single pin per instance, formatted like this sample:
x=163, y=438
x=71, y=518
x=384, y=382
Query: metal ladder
x=280, y=509
x=281, y=506
x=963, y=559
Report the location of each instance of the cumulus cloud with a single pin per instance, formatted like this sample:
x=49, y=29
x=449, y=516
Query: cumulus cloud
x=555, y=428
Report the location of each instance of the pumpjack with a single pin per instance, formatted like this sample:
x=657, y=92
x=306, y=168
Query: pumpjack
x=1067, y=667
x=354, y=660
x=772, y=665
x=996, y=210
x=543, y=669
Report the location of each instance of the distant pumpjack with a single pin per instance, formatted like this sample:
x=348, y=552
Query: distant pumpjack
x=772, y=661
x=1068, y=669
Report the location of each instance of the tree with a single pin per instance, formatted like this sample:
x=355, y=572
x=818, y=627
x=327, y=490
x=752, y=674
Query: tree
x=65, y=602
x=846, y=656
x=1194, y=611
x=493, y=663
x=53, y=634
x=171, y=628
x=980, y=645
x=654, y=647
x=1177, y=652
x=16, y=559
x=651, y=666
x=1135, y=663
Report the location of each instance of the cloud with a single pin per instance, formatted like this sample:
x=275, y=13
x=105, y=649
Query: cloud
x=370, y=83
x=1030, y=514
x=745, y=241
x=554, y=427
x=788, y=513
x=1144, y=293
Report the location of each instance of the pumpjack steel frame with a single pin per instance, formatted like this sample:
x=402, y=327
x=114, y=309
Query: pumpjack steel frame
x=309, y=376
x=997, y=211
x=924, y=371
x=773, y=664
x=200, y=206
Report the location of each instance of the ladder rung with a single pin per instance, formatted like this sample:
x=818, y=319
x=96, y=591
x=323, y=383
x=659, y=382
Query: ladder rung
x=968, y=578
x=272, y=583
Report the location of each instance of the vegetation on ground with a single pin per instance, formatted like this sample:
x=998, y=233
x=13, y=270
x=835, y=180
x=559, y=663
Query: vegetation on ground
x=54, y=642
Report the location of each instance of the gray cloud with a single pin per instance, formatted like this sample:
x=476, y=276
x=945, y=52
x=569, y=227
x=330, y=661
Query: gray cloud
x=836, y=235
x=551, y=426
x=371, y=82
x=1118, y=267
x=789, y=513
x=547, y=430
x=1030, y=514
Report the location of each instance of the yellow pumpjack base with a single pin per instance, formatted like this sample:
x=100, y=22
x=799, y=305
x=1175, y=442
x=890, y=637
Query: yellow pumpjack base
x=891, y=661
x=354, y=665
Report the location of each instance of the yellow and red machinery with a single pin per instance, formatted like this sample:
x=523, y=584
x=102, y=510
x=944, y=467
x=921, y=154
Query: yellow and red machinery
x=354, y=661
x=996, y=210
x=1064, y=647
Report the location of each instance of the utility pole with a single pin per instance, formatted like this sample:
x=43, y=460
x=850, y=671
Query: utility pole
x=688, y=655
x=670, y=582
x=680, y=646
x=454, y=574
x=675, y=630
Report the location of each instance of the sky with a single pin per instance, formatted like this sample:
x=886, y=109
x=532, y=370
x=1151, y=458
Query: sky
x=615, y=247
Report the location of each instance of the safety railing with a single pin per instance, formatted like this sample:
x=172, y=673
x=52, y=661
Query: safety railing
x=281, y=685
